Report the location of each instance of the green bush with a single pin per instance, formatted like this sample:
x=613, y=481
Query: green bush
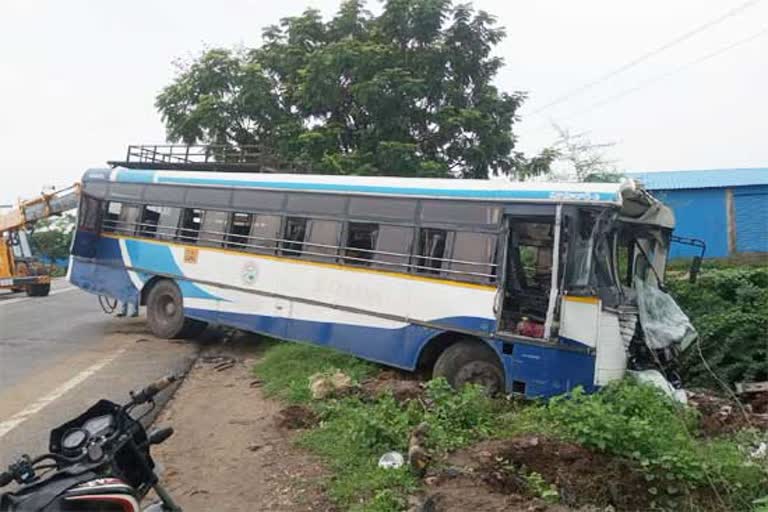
x=729, y=308
x=637, y=422
x=354, y=433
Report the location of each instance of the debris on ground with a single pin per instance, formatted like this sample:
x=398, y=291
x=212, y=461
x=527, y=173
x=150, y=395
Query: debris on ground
x=495, y=475
x=295, y=417
x=720, y=415
x=402, y=386
x=418, y=456
x=324, y=385
x=755, y=394
x=391, y=460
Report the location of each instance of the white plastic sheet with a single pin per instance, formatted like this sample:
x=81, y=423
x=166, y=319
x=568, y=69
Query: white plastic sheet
x=664, y=323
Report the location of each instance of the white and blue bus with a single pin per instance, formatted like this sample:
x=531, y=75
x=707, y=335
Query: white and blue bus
x=528, y=288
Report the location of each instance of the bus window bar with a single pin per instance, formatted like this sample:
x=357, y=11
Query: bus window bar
x=228, y=235
x=218, y=238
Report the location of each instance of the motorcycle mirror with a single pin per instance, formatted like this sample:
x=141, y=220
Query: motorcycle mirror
x=160, y=435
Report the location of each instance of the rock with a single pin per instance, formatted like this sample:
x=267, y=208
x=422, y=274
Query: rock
x=323, y=385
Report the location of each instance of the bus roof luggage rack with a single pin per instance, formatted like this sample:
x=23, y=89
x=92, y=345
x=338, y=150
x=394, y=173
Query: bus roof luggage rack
x=203, y=157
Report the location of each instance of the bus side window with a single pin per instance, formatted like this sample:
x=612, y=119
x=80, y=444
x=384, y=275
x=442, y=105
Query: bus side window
x=474, y=253
x=128, y=219
x=431, y=250
x=189, y=228
x=293, y=235
x=90, y=213
x=361, y=241
x=150, y=218
x=214, y=228
x=239, y=229
x=323, y=238
x=393, y=247
x=168, y=223
x=265, y=231
x=112, y=217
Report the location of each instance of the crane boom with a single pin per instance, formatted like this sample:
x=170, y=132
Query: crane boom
x=41, y=207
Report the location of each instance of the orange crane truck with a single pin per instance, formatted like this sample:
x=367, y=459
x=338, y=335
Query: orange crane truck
x=18, y=269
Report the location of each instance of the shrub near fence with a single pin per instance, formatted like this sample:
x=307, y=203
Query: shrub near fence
x=729, y=308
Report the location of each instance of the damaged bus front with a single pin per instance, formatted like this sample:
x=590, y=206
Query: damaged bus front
x=611, y=296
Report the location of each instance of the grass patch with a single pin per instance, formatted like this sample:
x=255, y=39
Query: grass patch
x=354, y=432
x=626, y=419
x=286, y=368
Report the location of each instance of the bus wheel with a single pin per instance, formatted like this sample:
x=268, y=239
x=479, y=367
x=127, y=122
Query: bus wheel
x=38, y=290
x=165, y=313
x=469, y=361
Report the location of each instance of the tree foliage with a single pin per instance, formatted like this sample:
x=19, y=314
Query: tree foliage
x=408, y=92
x=52, y=237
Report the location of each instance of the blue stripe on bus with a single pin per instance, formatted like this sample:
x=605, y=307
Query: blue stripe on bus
x=133, y=176
x=159, y=258
x=545, y=371
x=374, y=189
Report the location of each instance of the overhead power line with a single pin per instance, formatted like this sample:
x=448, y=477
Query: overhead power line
x=674, y=71
x=648, y=55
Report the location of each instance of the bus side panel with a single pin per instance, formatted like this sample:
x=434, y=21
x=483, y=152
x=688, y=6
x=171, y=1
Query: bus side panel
x=547, y=371
x=104, y=274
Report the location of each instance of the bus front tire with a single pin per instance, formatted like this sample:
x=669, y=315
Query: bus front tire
x=38, y=290
x=165, y=313
x=469, y=361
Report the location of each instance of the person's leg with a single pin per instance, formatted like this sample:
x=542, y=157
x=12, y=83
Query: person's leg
x=123, y=309
x=135, y=305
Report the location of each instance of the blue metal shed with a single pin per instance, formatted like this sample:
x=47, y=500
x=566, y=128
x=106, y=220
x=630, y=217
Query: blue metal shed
x=727, y=208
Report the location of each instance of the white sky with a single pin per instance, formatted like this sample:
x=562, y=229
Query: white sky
x=78, y=78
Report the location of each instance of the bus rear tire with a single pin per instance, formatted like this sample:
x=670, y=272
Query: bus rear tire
x=39, y=290
x=470, y=362
x=165, y=313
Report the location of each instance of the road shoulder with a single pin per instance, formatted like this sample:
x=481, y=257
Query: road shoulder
x=228, y=451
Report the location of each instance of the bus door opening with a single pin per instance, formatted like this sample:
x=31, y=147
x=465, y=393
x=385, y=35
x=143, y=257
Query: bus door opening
x=528, y=275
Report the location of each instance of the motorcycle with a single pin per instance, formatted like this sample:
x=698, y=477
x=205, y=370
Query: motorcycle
x=97, y=462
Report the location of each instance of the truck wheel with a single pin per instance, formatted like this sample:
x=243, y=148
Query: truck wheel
x=38, y=290
x=165, y=313
x=470, y=361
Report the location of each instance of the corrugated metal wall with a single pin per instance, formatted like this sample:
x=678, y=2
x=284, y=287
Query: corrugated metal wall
x=699, y=213
x=751, y=215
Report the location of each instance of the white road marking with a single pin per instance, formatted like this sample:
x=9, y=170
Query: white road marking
x=36, y=406
x=23, y=299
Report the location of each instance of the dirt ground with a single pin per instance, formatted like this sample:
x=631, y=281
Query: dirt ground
x=229, y=451
x=488, y=476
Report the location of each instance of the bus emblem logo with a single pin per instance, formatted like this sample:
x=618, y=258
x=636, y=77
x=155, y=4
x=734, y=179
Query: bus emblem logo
x=250, y=273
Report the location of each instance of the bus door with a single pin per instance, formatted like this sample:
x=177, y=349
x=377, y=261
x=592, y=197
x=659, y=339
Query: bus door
x=527, y=285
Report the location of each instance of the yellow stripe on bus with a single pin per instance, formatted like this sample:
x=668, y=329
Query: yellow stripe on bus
x=304, y=262
x=585, y=300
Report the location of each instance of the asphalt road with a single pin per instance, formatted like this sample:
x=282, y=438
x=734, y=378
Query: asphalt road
x=60, y=354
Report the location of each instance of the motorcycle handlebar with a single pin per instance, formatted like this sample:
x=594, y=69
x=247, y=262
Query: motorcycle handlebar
x=149, y=392
x=5, y=478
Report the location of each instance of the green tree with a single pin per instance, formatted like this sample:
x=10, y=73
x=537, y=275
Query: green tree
x=52, y=237
x=408, y=92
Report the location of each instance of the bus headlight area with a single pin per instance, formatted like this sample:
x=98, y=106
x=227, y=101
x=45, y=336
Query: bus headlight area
x=529, y=288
